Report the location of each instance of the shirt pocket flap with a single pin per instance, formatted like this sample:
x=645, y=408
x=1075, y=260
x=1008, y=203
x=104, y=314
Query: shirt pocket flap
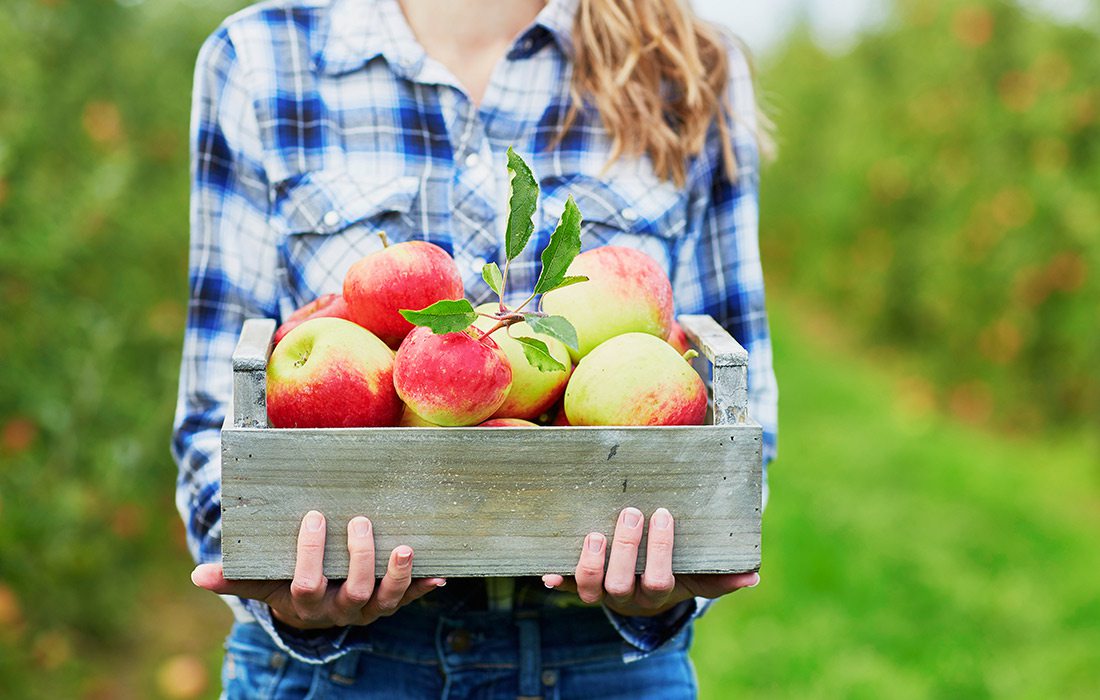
x=326, y=202
x=616, y=205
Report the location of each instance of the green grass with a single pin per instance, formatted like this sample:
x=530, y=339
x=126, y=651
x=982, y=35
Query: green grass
x=907, y=555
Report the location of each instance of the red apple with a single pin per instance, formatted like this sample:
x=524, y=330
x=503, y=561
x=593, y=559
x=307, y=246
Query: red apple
x=324, y=306
x=635, y=379
x=561, y=420
x=451, y=379
x=411, y=420
x=627, y=292
x=533, y=391
x=507, y=423
x=678, y=339
x=330, y=373
x=409, y=275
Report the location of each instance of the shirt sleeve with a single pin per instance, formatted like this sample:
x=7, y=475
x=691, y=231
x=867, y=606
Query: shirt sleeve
x=233, y=275
x=718, y=272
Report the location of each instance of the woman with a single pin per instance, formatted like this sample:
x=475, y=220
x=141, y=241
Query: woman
x=317, y=124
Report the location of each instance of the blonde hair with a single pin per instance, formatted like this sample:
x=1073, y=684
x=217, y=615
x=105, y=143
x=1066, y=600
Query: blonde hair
x=658, y=76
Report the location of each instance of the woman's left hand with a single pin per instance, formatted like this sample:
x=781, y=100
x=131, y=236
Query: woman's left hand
x=657, y=589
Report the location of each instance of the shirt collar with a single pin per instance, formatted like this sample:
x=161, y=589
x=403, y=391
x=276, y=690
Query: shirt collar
x=361, y=30
x=557, y=18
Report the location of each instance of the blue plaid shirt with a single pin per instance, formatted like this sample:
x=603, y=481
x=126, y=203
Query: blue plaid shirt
x=318, y=123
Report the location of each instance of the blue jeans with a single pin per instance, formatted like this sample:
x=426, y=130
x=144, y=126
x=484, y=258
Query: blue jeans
x=549, y=654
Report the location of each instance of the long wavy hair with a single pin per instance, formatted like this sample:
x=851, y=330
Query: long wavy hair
x=658, y=76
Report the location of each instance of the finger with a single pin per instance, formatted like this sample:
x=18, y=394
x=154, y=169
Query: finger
x=715, y=585
x=391, y=589
x=421, y=587
x=657, y=580
x=619, y=582
x=356, y=591
x=589, y=571
x=307, y=590
x=560, y=583
x=553, y=580
x=211, y=578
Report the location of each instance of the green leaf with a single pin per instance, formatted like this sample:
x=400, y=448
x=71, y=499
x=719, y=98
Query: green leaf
x=564, y=245
x=571, y=280
x=524, y=194
x=557, y=327
x=538, y=355
x=445, y=316
x=491, y=274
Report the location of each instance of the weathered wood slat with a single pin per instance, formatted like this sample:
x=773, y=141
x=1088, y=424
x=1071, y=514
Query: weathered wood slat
x=481, y=502
x=729, y=383
x=250, y=373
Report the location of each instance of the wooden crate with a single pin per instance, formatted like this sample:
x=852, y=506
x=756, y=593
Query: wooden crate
x=490, y=502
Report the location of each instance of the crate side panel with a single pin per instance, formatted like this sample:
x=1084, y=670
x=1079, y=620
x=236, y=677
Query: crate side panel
x=478, y=502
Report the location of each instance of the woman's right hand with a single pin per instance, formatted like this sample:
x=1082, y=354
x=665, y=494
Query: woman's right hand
x=309, y=602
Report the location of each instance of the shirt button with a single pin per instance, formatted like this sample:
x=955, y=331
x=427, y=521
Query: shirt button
x=331, y=218
x=526, y=45
x=477, y=264
x=629, y=214
x=549, y=678
x=472, y=160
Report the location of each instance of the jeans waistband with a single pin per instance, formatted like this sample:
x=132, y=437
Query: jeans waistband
x=493, y=639
x=470, y=595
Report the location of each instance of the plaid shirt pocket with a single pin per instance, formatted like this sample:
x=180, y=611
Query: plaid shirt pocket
x=329, y=219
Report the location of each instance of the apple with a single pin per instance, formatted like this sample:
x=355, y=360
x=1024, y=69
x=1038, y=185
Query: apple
x=331, y=373
x=678, y=339
x=635, y=379
x=533, y=391
x=409, y=419
x=410, y=275
x=626, y=292
x=324, y=306
x=507, y=423
x=452, y=379
x=560, y=419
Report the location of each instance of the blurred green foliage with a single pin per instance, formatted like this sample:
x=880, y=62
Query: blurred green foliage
x=94, y=109
x=937, y=189
x=906, y=554
x=938, y=186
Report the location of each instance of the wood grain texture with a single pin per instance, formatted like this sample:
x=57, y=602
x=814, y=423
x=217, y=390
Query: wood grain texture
x=713, y=341
x=481, y=502
x=729, y=382
x=250, y=373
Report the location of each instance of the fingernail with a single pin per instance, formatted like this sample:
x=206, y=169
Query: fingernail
x=756, y=582
x=361, y=527
x=404, y=556
x=632, y=517
x=595, y=543
x=662, y=519
x=193, y=577
x=441, y=583
x=314, y=521
x=545, y=582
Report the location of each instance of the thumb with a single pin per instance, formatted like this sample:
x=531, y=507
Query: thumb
x=211, y=578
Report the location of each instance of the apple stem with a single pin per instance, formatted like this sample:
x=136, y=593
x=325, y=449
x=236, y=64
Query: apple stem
x=494, y=329
x=504, y=282
x=385, y=239
x=525, y=303
x=690, y=354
